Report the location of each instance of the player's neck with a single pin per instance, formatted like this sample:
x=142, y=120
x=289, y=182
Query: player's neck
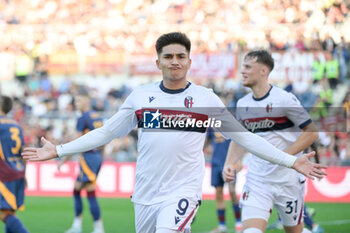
x=175, y=85
x=260, y=90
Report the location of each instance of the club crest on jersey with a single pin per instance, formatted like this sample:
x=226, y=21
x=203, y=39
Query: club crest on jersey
x=188, y=102
x=245, y=195
x=269, y=107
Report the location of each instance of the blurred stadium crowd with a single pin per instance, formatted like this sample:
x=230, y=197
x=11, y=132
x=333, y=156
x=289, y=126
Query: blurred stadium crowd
x=133, y=25
x=32, y=31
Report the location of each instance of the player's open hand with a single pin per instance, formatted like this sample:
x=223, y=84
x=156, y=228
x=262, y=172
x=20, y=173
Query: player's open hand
x=47, y=152
x=308, y=168
x=228, y=173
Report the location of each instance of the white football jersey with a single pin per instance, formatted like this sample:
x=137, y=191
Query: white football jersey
x=172, y=125
x=278, y=117
x=170, y=162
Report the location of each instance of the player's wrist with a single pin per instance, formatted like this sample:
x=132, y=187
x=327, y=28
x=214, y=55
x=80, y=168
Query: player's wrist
x=58, y=151
x=292, y=162
x=289, y=161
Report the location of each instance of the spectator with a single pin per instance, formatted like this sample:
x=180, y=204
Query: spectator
x=318, y=70
x=332, y=71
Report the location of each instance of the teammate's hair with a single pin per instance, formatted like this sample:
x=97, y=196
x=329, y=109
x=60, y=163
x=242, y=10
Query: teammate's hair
x=262, y=56
x=173, y=38
x=5, y=104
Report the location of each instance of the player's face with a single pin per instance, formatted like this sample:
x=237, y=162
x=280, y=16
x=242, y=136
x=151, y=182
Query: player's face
x=174, y=62
x=251, y=72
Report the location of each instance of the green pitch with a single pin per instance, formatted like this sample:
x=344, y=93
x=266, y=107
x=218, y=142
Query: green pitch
x=54, y=215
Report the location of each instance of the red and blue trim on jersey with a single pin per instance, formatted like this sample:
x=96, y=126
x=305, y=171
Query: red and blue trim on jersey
x=301, y=214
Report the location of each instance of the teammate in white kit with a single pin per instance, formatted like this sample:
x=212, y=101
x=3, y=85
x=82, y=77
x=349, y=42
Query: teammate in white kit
x=277, y=116
x=170, y=162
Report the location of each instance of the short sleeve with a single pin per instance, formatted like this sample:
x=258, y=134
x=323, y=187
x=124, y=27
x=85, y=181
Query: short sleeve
x=296, y=112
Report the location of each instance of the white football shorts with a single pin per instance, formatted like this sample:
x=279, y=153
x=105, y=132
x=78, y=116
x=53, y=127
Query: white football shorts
x=258, y=199
x=176, y=214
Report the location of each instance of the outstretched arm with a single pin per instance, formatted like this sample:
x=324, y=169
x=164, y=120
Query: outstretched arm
x=230, y=128
x=91, y=140
x=260, y=147
x=119, y=125
x=263, y=149
x=302, y=165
